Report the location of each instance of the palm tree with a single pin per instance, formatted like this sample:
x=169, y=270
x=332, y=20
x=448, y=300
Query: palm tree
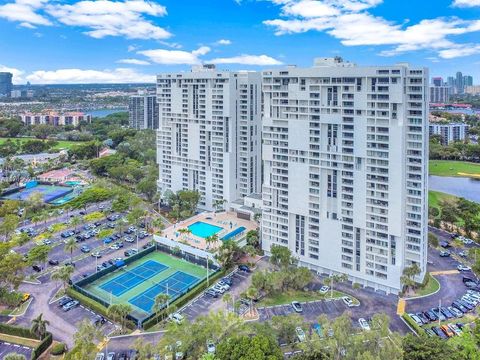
x=251, y=294
x=75, y=222
x=63, y=274
x=184, y=232
x=39, y=326
x=119, y=313
x=160, y=301
x=212, y=239
x=70, y=246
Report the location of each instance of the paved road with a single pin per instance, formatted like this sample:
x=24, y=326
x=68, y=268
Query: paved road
x=7, y=348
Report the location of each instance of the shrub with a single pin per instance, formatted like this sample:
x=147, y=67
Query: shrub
x=433, y=240
x=58, y=349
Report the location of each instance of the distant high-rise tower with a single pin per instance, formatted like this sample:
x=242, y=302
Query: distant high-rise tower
x=5, y=83
x=437, y=81
x=467, y=81
x=345, y=164
x=210, y=133
x=459, y=83
x=143, y=111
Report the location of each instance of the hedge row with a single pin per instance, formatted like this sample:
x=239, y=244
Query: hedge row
x=94, y=305
x=183, y=300
x=413, y=324
x=44, y=345
x=17, y=331
x=26, y=333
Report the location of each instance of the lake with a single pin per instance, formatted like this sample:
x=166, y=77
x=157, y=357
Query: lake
x=459, y=186
x=101, y=113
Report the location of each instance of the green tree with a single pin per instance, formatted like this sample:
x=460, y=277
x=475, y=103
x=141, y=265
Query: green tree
x=228, y=253
x=281, y=256
x=63, y=274
x=39, y=326
x=253, y=238
x=433, y=240
x=70, y=246
x=8, y=225
x=119, y=312
x=334, y=279
x=85, y=340
x=161, y=301
x=424, y=347
x=38, y=254
x=245, y=347
x=284, y=327
x=408, y=276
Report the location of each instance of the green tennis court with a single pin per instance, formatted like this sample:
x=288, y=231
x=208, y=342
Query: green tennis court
x=141, y=281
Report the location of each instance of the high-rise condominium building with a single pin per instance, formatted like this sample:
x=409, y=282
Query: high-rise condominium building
x=467, y=80
x=143, y=111
x=449, y=132
x=440, y=94
x=459, y=85
x=5, y=84
x=210, y=133
x=345, y=152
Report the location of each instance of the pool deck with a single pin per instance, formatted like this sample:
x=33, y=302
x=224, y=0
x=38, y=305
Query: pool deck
x=222, y=219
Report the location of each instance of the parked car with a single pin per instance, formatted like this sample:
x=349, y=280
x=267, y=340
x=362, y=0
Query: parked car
x=297, y=307
x=455, y=329
x=69, y=306
x=318, y=329
x=455, y=311
x=456, y=304
x=244, y=268
x=444, y=253
x=423, y=317
x=100, y=356
x=176, y=317
x=439, y=333
x=96, y=254
x=447, y=313
x=36, y=268
x=211, y=347
x=212, y=293
x=324, y=289
x=111, y=356
x=431, y=315
x=365, y=326
x=128, y=239
x=347, y=300
x=439, y=314
x=414, y=317
x=300, y=334
x=85, y=249
x=53, y=262
x=107, y=240
x=47, y=242
x=447, y=331
x=430, y=332
x=64, y=300
x=461, y=267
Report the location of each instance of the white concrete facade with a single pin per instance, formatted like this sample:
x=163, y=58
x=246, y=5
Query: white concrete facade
x=449, y=132
x=345, y=152
x=209, y=137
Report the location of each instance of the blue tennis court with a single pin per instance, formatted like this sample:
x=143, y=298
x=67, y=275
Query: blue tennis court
x=131, y=278
x=175, y=285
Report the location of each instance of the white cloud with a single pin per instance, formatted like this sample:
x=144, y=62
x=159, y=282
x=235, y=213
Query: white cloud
x=133, y=62
x=466, y=3
x=175, y=57
x=348, y=21
x=79, y=76
x=460, y=50
x=132, y=48
x=17, y=74
x=260, y=60
x=112, y=18
x=25, y=12
x=27, y=25
x=224, y=42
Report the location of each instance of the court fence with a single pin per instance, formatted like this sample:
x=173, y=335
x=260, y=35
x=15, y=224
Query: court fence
x=100, y=305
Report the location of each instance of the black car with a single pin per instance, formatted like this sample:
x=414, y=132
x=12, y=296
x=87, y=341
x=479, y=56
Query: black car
x=69, y=263
x=64, y=300
x=211, y=293
x=36, y=268
x=122, y=356
x=53, y=262
x=467, y=305
x=466, y=279
x=97, y=223
x=227, y=280
x=244, y=268
x=423, y=317
x=82, y=213
x=111, y=225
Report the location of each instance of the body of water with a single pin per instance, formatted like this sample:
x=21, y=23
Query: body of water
x=459, y=186
x=101, y=113
x=461, y=111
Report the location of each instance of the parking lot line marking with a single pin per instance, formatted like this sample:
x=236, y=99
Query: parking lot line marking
x=401, y=307
x=444, y=272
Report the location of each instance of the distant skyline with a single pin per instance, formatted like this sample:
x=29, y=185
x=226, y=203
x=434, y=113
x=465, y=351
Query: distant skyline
x=106, y=41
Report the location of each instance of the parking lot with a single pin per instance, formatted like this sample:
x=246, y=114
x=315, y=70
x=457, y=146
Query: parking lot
x=203, y=304
x=7, y=348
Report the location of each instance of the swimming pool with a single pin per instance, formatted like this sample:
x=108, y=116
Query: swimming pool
x=204, y=230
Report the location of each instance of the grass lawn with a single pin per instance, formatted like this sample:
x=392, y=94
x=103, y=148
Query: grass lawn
x=453, y=168
x=31, y=343
x=435, y=197
x=432, y=286
x=289, y=296
x=61, y=143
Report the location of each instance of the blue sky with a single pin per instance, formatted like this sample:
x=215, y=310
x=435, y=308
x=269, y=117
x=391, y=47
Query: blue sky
x=54, y=41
